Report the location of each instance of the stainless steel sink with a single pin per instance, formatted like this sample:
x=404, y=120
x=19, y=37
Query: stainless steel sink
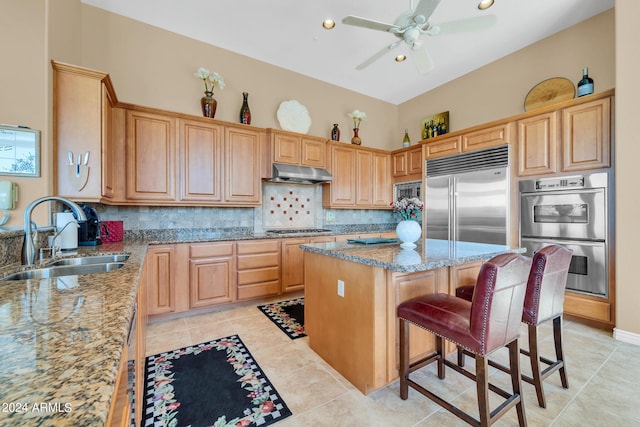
x=92, y=259
x=64, y=270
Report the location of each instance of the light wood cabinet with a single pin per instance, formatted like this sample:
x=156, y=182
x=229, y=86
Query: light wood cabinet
x=243, y=165
x=82, y=103
x=151, y=157
x=360, y=178
x=258, y=264
x=160, y=279
x=293, y=261
x=297, y=149
x=201, y=161
x=538, y=138
x=407, y=162
x=443, y=147
x=120, y=410
x=211, y=274
x=586, y=136
x=487, y=137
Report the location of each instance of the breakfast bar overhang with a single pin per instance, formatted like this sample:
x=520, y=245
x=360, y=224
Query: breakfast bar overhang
x=352, y=292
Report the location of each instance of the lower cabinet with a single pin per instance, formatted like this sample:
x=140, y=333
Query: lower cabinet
x=293, y=261
x=211, y=274
x=258, y=268
x=160, y=272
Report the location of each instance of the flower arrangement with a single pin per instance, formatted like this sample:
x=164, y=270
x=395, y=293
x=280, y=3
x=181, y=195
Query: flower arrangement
x=408, y=208
x=213, y=79
x=357, y=116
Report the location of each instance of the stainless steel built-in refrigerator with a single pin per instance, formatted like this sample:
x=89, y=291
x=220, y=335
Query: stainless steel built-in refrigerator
x=467, y=197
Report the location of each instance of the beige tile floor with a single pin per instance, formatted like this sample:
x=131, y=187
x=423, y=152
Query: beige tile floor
x=604, y=378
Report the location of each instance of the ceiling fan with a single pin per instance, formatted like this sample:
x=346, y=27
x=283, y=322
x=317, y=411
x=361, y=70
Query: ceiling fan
x=411, y=25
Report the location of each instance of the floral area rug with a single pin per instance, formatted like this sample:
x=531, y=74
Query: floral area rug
x=217, y=383
x=287, y=315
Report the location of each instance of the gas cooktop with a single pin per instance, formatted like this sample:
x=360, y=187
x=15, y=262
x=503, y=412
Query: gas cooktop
x=298, y=231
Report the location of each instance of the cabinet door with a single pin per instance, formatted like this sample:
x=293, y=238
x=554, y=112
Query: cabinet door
x=151, y=157
x=210, y=281
x=414, y=161
x=160, y=279
x=364, y=175
x=292, y=264
x=538, y=144
x=313, y=152
x=78, y=128
x=399, y=161
x=382, y=187
x=443, y=147
x=343, y=170
x=586, y=142
x=201, y=152
x=486, y=138
x=286, y=149
x=243, y=166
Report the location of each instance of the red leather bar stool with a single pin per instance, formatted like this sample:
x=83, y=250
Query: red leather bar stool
x=543, y=302
x=488, y=323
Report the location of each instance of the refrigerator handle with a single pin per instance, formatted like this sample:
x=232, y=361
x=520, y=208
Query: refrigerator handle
x=452, y=209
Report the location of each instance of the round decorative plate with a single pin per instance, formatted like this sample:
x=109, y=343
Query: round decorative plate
x=549, y=92
x=294, y=117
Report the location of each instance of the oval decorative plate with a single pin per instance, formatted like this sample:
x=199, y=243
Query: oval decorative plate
x=549, y=92
x=294, y=117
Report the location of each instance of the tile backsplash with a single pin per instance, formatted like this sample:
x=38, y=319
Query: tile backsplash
x=291, y=206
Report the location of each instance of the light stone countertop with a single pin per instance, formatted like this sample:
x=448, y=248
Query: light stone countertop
x=428, y=255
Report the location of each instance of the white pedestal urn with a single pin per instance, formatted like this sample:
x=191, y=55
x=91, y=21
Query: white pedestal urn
x=408, y=232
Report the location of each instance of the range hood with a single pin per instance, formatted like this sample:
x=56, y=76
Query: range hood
x=295, y=174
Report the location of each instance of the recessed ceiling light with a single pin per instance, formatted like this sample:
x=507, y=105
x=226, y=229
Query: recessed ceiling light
x=328, y=24
x=400, y=58
x=485, y=4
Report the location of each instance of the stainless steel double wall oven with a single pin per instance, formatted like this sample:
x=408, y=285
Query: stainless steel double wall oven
x=570, y=211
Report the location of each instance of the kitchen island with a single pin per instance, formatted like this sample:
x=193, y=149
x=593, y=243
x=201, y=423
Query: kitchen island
x=352, y=292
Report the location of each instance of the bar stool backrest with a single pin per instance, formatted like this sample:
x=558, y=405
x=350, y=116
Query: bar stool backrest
x=546, y=284
x=498, y=300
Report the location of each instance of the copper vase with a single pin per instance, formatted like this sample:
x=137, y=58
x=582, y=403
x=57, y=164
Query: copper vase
x=209, y=105
x=356, y=139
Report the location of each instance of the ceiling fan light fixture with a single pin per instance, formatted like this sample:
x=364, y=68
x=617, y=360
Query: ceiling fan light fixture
x=400, y=58
x=328, y=24
x=485, y=4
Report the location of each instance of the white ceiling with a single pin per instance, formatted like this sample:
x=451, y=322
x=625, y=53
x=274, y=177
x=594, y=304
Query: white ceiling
x=288, y=33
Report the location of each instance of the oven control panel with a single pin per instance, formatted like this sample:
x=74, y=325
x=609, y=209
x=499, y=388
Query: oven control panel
x=560, y=183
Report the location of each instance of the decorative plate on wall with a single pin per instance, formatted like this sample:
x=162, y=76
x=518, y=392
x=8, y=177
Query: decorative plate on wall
x=549, y=92
x=294, y=117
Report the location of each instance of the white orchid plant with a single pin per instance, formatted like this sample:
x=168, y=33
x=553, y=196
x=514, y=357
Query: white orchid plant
x=357, y=116
x=211, y=80
x=408, y=208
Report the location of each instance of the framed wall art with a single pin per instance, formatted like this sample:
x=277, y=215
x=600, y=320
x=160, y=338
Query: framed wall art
x=435, y=125
x=19, y=151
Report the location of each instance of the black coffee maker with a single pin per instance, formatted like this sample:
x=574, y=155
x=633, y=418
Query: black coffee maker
x=89, y=231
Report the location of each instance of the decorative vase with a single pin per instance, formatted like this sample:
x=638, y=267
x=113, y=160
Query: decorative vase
x=408, y=232
x=335, y=133
x=356, y=139
x=245, y=113
x=209, y=105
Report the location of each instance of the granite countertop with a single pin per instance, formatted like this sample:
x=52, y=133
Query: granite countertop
x=428, y=255
x=61, y=340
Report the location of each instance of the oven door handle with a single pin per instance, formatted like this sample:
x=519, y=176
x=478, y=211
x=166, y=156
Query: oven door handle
x=591, y=242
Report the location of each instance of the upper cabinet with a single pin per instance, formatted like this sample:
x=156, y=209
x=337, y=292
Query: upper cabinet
x=576, y=137
x=243, y=165
x=82, y=106
x=407, y=163
x=297, y=149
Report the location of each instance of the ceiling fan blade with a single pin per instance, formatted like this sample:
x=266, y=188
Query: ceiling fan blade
x=367, y=23
x=472, y=24
x=422, y=59
x=426, y=8
x=378, y=55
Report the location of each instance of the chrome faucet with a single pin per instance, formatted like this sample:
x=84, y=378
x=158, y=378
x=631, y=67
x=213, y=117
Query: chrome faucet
x=29, y=248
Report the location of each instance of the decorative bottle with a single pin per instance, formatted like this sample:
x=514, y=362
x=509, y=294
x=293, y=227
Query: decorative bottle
x=335, y=133
x=406, y=141
x=245, y=112
x=425, y=131
x=585, y=85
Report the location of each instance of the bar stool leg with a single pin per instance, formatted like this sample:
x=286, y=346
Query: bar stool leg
x=557, y=338
x=482, y=386
x=404, y=359
x=516, y=382
x=534, y=356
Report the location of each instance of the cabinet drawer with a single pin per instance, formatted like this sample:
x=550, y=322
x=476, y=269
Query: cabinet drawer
x=208, y=250
x=258, y=290
x=257, y=261
x=255, y=247
x=258, y=275
x=587, y=308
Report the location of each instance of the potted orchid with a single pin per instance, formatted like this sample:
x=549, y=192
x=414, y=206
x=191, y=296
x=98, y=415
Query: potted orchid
x=408, y=230
x=211, y=80
x=357, y=116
